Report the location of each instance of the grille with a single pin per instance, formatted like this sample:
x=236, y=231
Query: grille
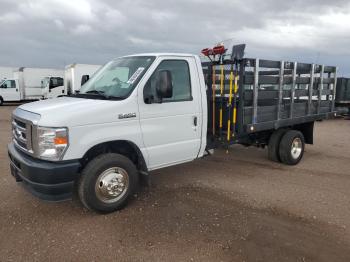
x=21, y=131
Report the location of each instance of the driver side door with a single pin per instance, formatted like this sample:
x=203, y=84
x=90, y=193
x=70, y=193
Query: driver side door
x=171, y=127
x=9, y=91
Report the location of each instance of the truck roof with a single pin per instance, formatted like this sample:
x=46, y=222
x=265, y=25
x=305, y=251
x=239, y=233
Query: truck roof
x=77, y=64
x=162, y=54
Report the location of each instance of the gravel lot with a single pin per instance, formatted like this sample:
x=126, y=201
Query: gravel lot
x=227, y=207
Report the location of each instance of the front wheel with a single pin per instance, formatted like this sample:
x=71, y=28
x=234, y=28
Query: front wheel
x=291, y=148
x=107, y=182
x=1, y=101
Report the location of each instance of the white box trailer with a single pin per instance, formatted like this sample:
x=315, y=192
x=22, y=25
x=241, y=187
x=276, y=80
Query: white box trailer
x=6, y=72
x=73, y=74
x=26, y=84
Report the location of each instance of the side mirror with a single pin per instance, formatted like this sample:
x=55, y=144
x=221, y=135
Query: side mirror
x=4, y=85
x=164, y=84
x=84, y=79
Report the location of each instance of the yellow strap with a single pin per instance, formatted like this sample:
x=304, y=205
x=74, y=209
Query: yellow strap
x=234, y=115
x=231, y=80
x=236, y=84
x=230, y=102
x=228, y=130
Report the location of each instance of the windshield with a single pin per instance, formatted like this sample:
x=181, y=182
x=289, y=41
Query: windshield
x=118, y=77
x=44, y=82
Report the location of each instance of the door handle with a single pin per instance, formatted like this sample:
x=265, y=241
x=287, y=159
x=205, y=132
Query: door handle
x=195, y=120
x=16, y=90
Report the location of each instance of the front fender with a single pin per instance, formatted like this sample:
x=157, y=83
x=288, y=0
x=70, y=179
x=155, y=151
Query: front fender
x=82, y=138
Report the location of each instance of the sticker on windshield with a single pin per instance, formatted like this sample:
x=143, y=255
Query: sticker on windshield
x=135, y=75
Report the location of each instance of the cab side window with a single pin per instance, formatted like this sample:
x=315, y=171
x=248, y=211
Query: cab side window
x=55, y=82
x=180, y=73
x=9, y=84
x=60, y=81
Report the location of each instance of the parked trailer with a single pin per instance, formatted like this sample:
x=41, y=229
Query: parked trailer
x=145, y=112
x=342, y=98
x=73, y=75
x=6, y=72
x=26, y=84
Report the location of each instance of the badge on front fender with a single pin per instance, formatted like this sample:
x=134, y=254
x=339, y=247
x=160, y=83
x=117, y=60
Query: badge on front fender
x=127, y=115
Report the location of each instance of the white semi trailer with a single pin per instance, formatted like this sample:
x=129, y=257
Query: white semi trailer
x=26, y=84
x=73, y=75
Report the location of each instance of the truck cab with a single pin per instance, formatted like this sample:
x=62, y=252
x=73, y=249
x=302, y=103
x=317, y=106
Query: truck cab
x=9, y=90
x=137, y=114
x=52, y=87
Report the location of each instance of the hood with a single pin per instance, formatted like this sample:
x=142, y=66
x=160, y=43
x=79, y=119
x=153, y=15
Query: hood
x=72, y=111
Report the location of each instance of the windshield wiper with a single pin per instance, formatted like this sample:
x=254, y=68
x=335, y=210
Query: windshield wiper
x=102, y=93
x=97, y=93
x=117, y=97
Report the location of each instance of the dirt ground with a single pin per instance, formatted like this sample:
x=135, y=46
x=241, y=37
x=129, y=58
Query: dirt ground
x=227, y=207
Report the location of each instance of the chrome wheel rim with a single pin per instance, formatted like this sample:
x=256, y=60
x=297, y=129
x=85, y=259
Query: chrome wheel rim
x=112, y=185
x=297, y=147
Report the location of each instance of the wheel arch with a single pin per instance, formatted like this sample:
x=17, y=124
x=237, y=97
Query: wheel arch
x=123, y=147
x=307, y=129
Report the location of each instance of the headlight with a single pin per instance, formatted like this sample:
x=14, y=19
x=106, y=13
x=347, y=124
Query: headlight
x=52, y=143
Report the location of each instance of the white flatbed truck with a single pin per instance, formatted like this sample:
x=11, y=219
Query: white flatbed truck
x=144, y=112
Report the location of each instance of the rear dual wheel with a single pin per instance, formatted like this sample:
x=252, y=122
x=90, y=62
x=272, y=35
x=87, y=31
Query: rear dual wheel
x=286, y=146
x=291, y=148
x=274, y=143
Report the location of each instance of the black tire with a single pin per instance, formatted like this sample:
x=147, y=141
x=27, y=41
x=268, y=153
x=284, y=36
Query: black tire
x=274, y=143
x=1, y=101
x=90, y=190
x=292, y=139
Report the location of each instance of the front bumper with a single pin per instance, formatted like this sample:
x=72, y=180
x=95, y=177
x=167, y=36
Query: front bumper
x=52, y=181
